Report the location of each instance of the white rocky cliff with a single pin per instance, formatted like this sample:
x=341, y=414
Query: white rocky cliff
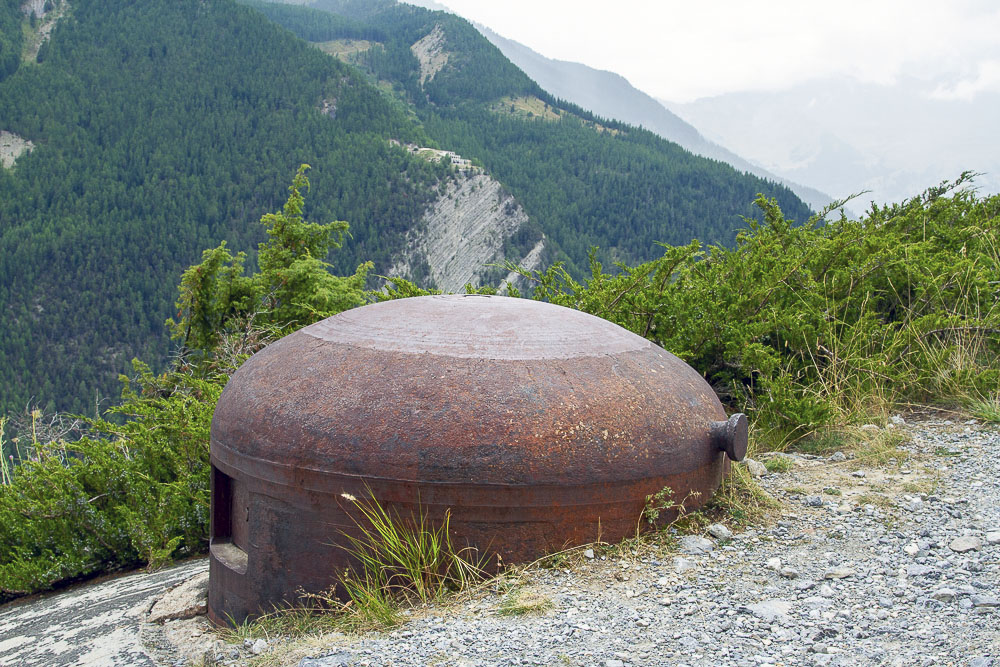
x=464, y=231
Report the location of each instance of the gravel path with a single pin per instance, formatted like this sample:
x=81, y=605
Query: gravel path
x=869, y=566
x=893, y=565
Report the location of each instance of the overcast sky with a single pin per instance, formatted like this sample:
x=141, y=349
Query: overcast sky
x=683, y=50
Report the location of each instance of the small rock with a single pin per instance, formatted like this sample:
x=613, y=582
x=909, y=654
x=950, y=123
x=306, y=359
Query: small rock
x=259, y=646
x=614, y=663
x=185, y=600
x=897, y=420
x=770, y=610
x=944, y=595
x=993, y=538
x=696, y=545
x=336, y=659
x=839, y=572
x=682, y=564
x=911, y=549
x=812, y=501
x=965, y=543
x=755, y=468
x=838, y=456
x=773, y=564
x=859, y=473
x=985, y=601
x=919, y=570
x=826, y=591
x=816, y=602
x=789, y=572
x=720, y=532
x=589, y=553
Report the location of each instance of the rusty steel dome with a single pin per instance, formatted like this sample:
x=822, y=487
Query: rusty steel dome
x=537, y=426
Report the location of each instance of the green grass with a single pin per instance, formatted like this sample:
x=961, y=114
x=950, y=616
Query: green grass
x=986, y=409
x=868, y=447
x=778, y=464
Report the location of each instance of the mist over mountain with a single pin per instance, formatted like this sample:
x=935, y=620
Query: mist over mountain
x=843, y=136
x=610, y=95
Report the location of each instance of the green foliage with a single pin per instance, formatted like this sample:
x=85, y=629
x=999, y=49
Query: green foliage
x=987, y=409
x=293, y=288
x=166, y=127
x=135, y=489
x=129, y=493
x=406, y=556
x=778, y=464
x=803, y=325
x=161, y=129
x=11, y=37
x=314, y=25
x=619, y=188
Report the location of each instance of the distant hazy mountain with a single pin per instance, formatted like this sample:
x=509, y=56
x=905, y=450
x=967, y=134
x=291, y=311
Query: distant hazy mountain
x=844, y=136
x=610, y=95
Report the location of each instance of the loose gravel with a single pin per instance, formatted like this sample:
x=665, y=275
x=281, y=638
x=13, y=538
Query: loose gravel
x=897, y=565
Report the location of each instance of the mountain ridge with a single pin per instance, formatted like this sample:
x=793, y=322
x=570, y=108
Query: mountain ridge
x=610, y=95
x=164, y=128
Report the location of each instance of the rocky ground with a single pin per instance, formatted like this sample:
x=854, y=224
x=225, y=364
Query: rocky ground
x=891, y=564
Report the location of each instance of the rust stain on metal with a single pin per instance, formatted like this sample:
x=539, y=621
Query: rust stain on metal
x=536, y=425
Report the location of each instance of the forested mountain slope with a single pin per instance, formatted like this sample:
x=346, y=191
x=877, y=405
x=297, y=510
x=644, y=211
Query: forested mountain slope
x=586, y=181
x=161, y=128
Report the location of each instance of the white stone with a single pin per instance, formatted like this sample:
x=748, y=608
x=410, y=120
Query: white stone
x=993, y=538
x=755, y=468
x=839, y=572
x=589, y=553
x=770, y=610
x=720, y=532
x=773, y=564
x=944, y=594
x=696, y=545
x=966, y=543
x=682, y=564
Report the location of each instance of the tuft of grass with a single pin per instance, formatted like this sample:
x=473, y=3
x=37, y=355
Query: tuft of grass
x=399, y=561
x=823, y=442
x=869, y=446
x=287, y=621
x=521, y=602
x=876, y=499
x=778, y=464
x=924, y=486
x=986, y=409
x=6, y=468
x=741, y=498
x=879, y=448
